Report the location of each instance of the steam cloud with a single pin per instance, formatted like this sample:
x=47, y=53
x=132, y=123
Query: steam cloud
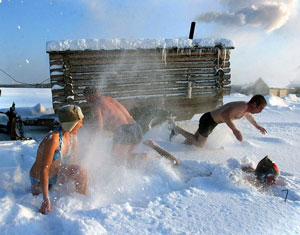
x=268, y=14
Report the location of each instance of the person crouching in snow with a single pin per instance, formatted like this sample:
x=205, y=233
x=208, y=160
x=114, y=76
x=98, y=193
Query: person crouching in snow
x=110, y=115
x=48, y=167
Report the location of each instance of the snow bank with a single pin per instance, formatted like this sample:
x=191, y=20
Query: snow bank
x=207, y=194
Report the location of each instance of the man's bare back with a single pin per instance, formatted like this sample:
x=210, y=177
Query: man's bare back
x=225, y=114
x=113, y=114
x=234, y=110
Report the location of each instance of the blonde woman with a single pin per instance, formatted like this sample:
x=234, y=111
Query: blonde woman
x=49, y=167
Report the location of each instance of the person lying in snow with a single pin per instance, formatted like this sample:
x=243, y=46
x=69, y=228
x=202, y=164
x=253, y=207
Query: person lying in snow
x=113, y=116
x=225, y=114
x=266, y=172
x=48, y=167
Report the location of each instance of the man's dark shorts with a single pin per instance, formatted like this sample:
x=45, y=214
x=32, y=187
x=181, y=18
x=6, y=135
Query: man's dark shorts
x=206, y=125
x=128, y=134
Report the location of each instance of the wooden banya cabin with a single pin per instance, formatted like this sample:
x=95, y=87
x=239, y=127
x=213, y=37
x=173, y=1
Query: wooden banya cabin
x=153, y=78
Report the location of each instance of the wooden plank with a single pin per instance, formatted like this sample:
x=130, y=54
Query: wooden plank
x=175, y=103
x=138, y=61
x=128, y=53
x=137, y=87
x=146, y=72
x=143, y=93
x=135, y=60
x=142, y=65
x=149, y=86
x=43, y=85
x=169, y=100
x=92, y=79
x=127, y=64
x=79, y=86
x=152, y=66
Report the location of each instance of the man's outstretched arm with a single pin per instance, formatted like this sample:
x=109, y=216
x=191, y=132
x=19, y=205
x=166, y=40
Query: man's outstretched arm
x=251, y=119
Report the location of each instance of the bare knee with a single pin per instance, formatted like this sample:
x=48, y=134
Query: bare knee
x=79, y=174
x=200, y=144
x=201, y=140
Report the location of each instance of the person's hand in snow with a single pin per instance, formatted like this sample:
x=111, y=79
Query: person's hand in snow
x=45, y=207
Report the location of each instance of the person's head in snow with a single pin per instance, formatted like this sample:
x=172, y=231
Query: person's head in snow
x=56, y=159
x=224, y=114
x=267, y=171
x=111, y=116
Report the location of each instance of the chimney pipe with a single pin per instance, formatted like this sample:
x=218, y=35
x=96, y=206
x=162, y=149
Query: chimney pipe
x=192, y=30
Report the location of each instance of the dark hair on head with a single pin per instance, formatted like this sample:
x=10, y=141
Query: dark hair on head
x=258, y=99
x=89, y=91
x=266, y=168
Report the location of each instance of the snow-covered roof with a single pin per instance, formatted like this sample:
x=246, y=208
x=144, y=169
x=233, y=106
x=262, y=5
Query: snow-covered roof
x=132, y=44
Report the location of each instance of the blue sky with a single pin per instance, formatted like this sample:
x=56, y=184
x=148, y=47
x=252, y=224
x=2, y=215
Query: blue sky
x=265, y=33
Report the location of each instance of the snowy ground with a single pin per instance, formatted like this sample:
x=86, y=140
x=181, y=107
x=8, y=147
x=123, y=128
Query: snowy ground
x=152, y=196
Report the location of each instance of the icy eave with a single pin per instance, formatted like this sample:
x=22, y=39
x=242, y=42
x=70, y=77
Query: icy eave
x=132, y=44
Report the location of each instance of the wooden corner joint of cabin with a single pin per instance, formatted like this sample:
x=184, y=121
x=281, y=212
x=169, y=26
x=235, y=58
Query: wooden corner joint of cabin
x=69, y=93
x=221, y=56
x=189, y=89
x=219, y=78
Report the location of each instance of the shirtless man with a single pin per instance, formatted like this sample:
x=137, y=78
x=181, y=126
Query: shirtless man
x=225, y=114
x=113, y=116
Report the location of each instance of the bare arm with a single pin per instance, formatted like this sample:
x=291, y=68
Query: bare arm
x=251, y=119
x=226, y=115
x=161, y=151
x=231, y=113
x=74, y=150
x=100, y=119
x=50, y=146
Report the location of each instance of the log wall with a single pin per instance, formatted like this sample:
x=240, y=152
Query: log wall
x=184, y=81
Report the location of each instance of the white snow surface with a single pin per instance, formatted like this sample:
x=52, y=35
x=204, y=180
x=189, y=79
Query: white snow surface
x=154, y=197
x=132, y=44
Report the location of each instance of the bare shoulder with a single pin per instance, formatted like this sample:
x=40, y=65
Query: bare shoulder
x=109, y=99
x=113, y=101
x=52, y=138
x=49, y=143
x=239, y=106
